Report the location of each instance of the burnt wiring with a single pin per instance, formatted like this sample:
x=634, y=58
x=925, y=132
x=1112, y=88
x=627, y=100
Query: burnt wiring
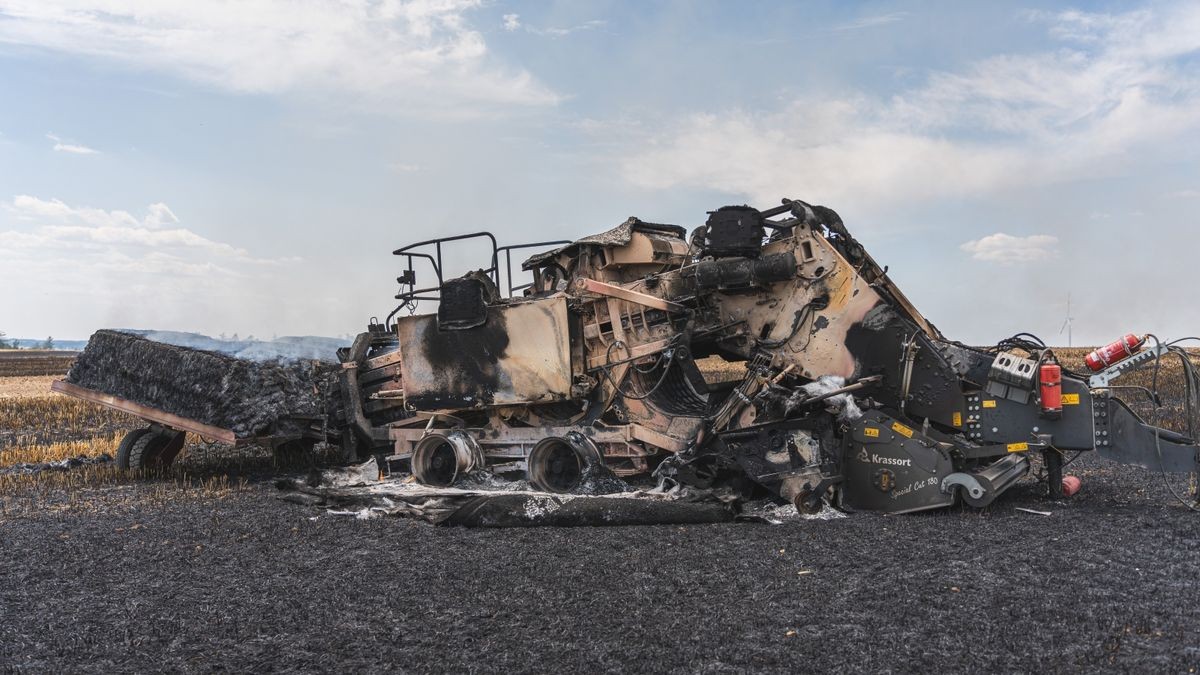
x=649, y=369
x=802, y=316
x=665, y=358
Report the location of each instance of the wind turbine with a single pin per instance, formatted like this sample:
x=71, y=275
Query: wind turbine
x=1067, y=324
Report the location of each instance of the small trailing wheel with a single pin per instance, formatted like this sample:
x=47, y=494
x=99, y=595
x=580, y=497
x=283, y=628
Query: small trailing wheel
x=127, y=444
x=153, y=449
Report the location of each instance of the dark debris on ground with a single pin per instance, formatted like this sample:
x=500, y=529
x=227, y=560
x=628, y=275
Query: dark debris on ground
x=1107, y=582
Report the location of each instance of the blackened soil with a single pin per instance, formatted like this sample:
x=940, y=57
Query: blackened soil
x=1109, y=581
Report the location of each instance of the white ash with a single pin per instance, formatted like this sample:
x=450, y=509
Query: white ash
x=777, y=514
x=844, y=404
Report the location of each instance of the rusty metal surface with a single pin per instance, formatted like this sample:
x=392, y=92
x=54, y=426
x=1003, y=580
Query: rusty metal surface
x=147, y=413
x=521, y=355
x=382, y=361
x=610, y=290
x=617, y=236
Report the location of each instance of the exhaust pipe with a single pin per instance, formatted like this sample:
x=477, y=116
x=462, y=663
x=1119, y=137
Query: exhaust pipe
x=560, y=463
x=442, y=458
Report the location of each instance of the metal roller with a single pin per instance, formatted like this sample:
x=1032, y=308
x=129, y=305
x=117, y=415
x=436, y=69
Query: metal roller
x=980, y=488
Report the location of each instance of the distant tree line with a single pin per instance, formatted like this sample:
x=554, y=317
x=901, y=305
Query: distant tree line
x=5, y=343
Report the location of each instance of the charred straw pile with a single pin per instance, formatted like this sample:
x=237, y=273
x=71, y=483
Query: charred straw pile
x=248, y=397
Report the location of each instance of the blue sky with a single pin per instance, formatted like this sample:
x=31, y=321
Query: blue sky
x=248, y=166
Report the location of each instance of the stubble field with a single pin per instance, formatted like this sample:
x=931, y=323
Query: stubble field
x=205, y=569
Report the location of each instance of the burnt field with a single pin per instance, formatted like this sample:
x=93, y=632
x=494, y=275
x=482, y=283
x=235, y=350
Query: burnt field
x=206, y=569
x=33, y=362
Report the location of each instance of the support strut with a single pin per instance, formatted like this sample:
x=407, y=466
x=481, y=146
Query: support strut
x=1054, y=475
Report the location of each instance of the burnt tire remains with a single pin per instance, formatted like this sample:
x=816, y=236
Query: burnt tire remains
x=560, y=464
x=441, y=459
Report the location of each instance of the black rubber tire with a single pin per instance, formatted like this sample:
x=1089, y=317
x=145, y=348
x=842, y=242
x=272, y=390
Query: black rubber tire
x=155, y=450
x=126, y=445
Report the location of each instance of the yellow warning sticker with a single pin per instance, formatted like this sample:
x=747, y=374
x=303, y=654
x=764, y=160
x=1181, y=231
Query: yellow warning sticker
x=871, y=431
x=1018, y=447
x=990, y=403
x=957, y=420
x=1070, y=399
x=902, y=430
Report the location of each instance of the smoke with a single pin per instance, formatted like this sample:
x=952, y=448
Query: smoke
x=289, y=348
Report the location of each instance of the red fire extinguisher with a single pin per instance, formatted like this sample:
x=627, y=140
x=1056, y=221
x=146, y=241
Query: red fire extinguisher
x=1050, y=389
x=1113, y=352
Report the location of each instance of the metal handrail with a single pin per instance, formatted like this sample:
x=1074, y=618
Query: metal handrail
x=508, y=259
x=437, y=243
x=433, y=294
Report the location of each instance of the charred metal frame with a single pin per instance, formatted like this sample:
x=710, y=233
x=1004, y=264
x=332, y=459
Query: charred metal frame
x=605, y=355
x=435, y=260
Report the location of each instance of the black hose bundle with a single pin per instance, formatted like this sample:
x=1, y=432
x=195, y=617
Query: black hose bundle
x=1026, y=341
x=1191, y=406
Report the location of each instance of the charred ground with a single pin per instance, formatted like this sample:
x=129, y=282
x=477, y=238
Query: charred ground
x=243, y=581
x=206, y=572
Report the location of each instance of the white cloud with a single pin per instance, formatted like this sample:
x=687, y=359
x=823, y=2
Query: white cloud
x=27, y=207
x=1188, y=193
x=72, y=148
x=512, y=22
x=419, y=55
x=1007, y=249
x=159, y=214
x=85, y=268
x=871, y=21
x=60, y=226
x=1090, y=109
x=557, y=32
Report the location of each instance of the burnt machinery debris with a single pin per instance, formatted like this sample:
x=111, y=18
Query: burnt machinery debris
x=849, y=395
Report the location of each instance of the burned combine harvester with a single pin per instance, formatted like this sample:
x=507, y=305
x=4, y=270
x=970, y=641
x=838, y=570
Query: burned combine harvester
x=848, y=394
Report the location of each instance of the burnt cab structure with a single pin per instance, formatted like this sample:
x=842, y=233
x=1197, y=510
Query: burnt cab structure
x=525, y=378
x=847, y=393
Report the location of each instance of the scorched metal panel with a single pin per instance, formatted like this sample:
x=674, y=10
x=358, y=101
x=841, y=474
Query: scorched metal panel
x=520, y=355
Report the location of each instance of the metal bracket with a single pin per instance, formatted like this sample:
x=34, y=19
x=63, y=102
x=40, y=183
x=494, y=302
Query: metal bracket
x=906, y=365
x=609, y=290
x=964, y=480
x=1102, y=378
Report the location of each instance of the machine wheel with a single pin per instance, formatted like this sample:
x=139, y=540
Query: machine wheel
x=125, y=446
x=152, y=449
